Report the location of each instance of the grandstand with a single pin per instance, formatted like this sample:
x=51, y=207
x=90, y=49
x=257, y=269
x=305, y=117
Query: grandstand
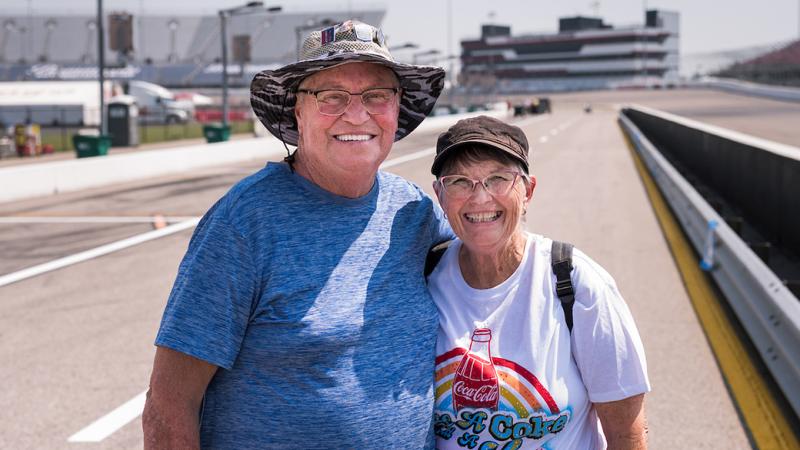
x=778, y=67
x=170, y=50
x=586, y=53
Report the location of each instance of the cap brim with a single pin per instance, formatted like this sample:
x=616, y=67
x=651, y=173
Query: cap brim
x=272, y=92
x=440, y=158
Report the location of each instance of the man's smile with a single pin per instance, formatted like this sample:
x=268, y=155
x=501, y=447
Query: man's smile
x=354, y=137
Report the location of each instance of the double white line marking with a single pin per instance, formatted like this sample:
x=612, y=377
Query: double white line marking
x=95, y=252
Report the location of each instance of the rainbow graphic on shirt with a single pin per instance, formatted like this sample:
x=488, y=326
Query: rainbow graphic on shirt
x=524, y=412
x=520, y=391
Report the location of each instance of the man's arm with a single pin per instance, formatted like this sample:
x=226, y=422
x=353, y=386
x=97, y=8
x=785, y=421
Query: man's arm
x=624, y=424
x=171, y=413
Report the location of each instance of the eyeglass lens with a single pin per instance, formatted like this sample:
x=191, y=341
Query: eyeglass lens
x=498, y=183
x=375, y=101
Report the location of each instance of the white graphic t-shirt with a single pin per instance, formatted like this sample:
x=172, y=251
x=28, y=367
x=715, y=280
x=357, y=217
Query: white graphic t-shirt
x=509, y=375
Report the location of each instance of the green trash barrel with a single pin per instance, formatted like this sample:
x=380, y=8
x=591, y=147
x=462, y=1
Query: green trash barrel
x=87, y=146
x=216, y=133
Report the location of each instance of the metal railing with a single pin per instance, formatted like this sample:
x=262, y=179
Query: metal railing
x=765, y=307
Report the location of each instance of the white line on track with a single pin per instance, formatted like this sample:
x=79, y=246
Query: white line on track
x=111, y=422
x=92, y=219
x=95, y=252
x=410, y=157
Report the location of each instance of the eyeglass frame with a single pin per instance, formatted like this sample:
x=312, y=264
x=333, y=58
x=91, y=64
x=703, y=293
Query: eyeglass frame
x=517, y=175
x=314, y=92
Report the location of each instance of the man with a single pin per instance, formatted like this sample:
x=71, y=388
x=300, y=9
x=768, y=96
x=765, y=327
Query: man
x=300, y=317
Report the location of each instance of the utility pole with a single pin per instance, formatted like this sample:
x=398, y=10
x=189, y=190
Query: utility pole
x=223, y=18
x=450, y=74
x=101, y=66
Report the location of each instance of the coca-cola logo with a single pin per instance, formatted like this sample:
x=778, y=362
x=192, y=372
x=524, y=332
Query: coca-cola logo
x=487, y=393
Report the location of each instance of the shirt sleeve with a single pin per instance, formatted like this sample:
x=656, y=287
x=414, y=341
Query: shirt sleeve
x=209, y=307
x=605, y=341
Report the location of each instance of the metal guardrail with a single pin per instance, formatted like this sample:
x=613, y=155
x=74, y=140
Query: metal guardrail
x=760, y=178
x=766, y=308
x=785, y=93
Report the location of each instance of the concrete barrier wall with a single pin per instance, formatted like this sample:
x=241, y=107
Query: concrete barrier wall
x=759, y=176
x=36, y=180
x=765, y=307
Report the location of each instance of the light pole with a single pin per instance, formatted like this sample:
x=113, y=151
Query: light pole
x=441, y=59
x=407, y=45
x=224, y=14
x=394, y=49
x=101, y=62
x=415, y=56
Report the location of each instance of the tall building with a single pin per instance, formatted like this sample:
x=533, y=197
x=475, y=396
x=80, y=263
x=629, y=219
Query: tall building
x=586, y=53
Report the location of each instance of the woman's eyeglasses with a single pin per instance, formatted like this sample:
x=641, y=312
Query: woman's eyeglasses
x=333, y=102
x=496, y=184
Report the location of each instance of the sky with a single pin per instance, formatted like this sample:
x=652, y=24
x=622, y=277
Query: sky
x=706, y=25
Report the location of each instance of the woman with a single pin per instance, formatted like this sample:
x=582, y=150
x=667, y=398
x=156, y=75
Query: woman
x=509, y=372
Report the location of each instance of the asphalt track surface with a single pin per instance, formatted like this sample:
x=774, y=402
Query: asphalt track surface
x=76, y=343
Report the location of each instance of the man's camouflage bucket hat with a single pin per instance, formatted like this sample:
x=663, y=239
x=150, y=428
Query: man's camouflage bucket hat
x=273, y=92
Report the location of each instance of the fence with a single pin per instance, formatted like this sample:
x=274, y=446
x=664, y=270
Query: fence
x=59, y=124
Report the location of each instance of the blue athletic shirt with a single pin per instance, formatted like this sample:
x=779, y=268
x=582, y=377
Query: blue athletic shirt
x=315, y=308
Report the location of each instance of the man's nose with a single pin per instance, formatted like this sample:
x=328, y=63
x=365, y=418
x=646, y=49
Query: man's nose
x=355, y=112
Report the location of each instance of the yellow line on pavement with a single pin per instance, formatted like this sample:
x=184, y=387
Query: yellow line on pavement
x=764, y=419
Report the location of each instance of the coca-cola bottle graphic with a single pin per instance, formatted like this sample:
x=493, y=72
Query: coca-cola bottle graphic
x=475, y=383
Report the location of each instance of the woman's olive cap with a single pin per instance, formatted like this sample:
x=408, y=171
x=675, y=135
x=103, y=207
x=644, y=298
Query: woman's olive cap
x=481, y=130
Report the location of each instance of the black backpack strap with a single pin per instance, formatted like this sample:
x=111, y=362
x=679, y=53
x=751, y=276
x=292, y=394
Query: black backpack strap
x=561, y=259
x=434, y=255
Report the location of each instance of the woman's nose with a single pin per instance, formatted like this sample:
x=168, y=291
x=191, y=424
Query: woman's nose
x=480, y=193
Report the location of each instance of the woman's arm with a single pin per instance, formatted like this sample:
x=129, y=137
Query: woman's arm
x=171, y=413
x=624, y=423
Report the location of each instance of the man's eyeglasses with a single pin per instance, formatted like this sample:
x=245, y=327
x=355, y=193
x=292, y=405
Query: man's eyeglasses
x=497, y=184
x=333, y=102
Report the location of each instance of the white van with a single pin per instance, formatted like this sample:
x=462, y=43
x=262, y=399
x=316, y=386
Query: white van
x=157, y=104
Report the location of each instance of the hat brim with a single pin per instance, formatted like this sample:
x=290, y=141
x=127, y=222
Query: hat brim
x=442, y=156
x=273, y=98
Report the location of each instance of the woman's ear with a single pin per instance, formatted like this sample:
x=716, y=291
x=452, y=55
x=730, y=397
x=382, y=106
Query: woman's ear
x=437, y=189
x=529, y=188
